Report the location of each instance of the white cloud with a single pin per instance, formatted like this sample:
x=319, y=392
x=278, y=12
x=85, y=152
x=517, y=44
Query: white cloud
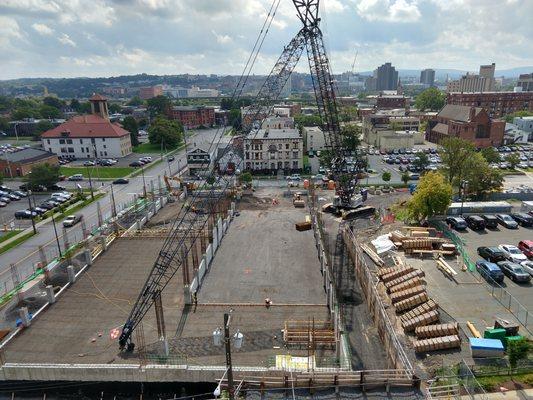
x=42, y=29
x=389, y=10
x=222, y=39
x=65, y=39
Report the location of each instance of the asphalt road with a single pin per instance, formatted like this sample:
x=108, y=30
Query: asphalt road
x=26, y=255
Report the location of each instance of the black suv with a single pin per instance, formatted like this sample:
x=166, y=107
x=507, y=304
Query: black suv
x=492, y=254
x=523, y=219
x=490, y=221
x=458, y=223
x=475, y=222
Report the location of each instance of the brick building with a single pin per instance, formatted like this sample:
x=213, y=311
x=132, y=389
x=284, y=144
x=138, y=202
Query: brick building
x=148, y=92
x=20, y=163
x=497, y=104
x=193, y=116
x=384, y=101
x=469, y=123
x=525, y=81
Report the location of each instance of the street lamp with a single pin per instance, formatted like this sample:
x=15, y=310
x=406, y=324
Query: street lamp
x=57, y=238
x=463, y=186
x=31, y=212
x=220, y=338
x=90, y=182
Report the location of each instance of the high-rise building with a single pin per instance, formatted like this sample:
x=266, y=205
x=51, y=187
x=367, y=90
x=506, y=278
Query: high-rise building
x=525, y=81
x=427, y=77
x=386, y=77
x=484, y=82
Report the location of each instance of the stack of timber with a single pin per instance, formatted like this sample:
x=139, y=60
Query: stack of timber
x=431, y=331
x=421, y=320
x=446, y=268
x=303, y=226
x=423, y=308
x=373, y=255
x=438, y=343
x=421, y=240
x=404, y=278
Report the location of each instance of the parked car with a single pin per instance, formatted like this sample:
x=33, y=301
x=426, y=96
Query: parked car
x=514, y=271
x=72, y=220
x=47, y=205
x=414, y=177
x=523, y=219
x=512, y=253
x=13, y=196
x=89, y=163
x=526, y=246
x=136, y=164
x=490, y=220
x=20, y=193
x=294, y=177
x=121, y=181
x=24, y=214
x=475, y=222
x=66, y=195
x=52, y=200
x=507, y=221
x=146, y=159
x=5, y=199
x=2, y=204
x=457, y=223
x=38, y=210
x=492, y=254
x=489, y=271
x=55, y=186
x=75, y=177
x=528, y=266
x=171, y=158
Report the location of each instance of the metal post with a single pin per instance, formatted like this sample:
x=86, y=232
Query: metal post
x=113, y=202
x=228, y=355
x=90, y=182
x=144, y=182
x=31, y=213
x=57, y=238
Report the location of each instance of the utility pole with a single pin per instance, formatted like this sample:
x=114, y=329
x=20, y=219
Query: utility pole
x=90, y=182
x=31, y=213
x=227, y=343
x=113, y=202
x=463, y=186
x=57, y=237
x=144, y=182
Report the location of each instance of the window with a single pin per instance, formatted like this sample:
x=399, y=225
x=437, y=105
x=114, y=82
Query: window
x=82, y=150
x=81, y=141
x=295, y=164
x=103, y=139
x=482, y=132
x=287, y=146
x=294, y=154
x=92, y=141
x=71, y=149
x=63, y=149
x=87, y=149
x=280, y=146
x=105, y=146
x=69, y=141
x=105, y=153
x=61, y=141
x=48, y=141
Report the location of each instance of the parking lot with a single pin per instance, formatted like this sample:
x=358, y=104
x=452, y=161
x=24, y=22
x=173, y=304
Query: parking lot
x=523, y=292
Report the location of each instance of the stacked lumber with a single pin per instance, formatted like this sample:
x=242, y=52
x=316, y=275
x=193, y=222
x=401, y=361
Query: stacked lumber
x=424, y=234
x=417, y=244
x=431, y=331
x=405, y=294
x=385, y=271
x=411, y=302
x=446, y=268
x=423, y=308
x=416, y=281
x=421, y=320
x=398, y=272
x=298, y=203
x=404, y=278
x=440, y=343
x=373, y=255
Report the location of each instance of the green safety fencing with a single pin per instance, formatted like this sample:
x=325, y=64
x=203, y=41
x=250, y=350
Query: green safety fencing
x=457, y=241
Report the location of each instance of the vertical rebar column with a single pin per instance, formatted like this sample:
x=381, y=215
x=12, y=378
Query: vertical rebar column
x=99, y=213
x=194, y=254
x=185, y=268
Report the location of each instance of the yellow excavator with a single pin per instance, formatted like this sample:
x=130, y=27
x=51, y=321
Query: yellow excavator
x=176, y=191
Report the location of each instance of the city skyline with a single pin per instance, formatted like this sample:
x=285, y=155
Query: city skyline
x=65, y=39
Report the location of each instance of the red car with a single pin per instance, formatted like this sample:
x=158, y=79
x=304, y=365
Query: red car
x=527, y=247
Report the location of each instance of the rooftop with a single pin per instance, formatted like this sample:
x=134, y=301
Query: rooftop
x=287, y=133
x=86, y=126
x=457, y=112
x=191, y=108
x=27, y=155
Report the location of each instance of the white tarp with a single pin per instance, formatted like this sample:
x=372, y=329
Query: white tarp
x=382, y=244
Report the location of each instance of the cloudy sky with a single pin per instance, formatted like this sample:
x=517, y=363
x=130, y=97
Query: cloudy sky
x=66, y=38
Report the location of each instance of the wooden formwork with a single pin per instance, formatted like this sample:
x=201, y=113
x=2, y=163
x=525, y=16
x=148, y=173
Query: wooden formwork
x=431, y=331
x=416, y=281
x=423, y=308
x=396, y=273
x=406, y=277
x=412, y=302
x=405, y=294
x=309, y=333
x=439, y=343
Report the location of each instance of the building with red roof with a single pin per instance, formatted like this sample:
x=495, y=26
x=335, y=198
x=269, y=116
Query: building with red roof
x=89, y=136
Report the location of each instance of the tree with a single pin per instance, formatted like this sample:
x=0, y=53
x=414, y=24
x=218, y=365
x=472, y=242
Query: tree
x=75, y=105
x=308, y=120
x=518, y=350
x=455, y=158
x=130, y=124
x=386, y=176
x=135, y=101
x=165, y=131
x=53, y=102
x=85, y=108
x=405, y=177
x=433, y=196
x=4, y=124
x=423, y=126
x=396, y=126
x=430, y=99
x=490, y=154
x=348, y=113
x=42, y=126
x=524, y=113
x=513, y=159
x=158, y=105
x=351, y=137
x=325, y=158
x=234, y=118
x=482, y=179
x=25, y=112
x=49, y=112
x=421, y=161
x=43, y=174
x=246, y=177
x=114, y=108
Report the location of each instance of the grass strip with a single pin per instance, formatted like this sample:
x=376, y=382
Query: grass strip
x=16, y=242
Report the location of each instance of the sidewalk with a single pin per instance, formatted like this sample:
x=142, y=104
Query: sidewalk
x=525, y=394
